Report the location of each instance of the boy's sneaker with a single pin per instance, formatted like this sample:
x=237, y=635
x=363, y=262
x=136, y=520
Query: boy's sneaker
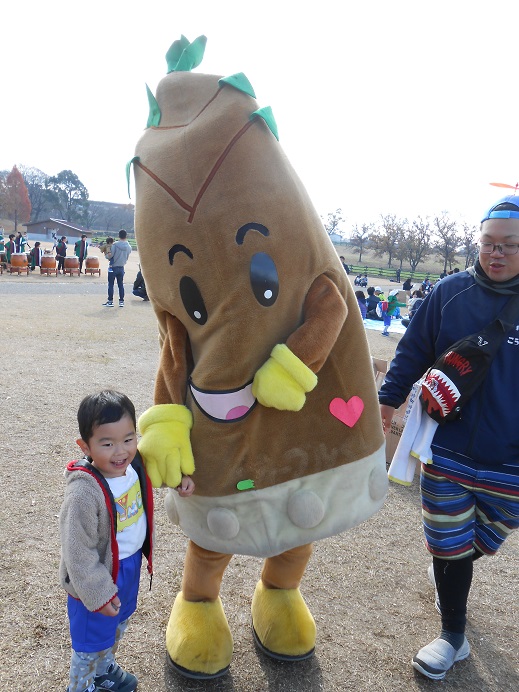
x=438, y=657
x=384, y=333
x=116, y=679
x=430, y=574
x=121, y=303
x=108, y=304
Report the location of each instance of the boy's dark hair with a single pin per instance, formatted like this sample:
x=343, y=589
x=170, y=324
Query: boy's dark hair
x=371, y=290
x=109, y=239
x=122, y=234
x=37, y=243
x=103, y=407
x=11, y=236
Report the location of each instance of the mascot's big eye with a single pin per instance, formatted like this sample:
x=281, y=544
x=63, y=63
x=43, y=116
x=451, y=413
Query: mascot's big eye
x=192, y=299
x=264, y=279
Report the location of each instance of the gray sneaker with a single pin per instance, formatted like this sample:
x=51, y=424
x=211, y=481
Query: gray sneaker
x=121, y=303
x=108, y=304
x=438, y=657
x=116, y=679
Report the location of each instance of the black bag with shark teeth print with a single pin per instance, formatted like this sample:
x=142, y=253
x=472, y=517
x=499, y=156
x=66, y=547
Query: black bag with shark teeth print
x=461, y=369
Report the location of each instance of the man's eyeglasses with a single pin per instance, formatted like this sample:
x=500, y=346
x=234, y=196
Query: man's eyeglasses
x=506, y=249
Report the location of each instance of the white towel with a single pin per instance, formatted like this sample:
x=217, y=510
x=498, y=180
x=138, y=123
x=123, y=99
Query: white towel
x=414, y=445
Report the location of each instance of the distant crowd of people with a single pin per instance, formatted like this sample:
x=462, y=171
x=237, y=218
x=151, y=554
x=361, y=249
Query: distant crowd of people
x=375, y=306
x=116, y=252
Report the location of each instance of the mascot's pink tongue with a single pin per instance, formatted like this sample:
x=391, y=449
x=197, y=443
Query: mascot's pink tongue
x=225, y=405
x=236, y=412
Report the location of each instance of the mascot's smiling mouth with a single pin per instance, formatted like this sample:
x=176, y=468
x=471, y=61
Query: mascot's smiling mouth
x=224, y=407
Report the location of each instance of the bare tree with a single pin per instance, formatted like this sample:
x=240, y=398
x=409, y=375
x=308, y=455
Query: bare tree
x=417, y=242
x=468, y=234
x=448, y=239
x=386, y=239
x=359, y=239
x=93, y=214
x=36, y=182
x=3, y=180
x=333, y=221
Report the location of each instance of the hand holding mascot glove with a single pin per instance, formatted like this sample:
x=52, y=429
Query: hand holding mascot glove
x=165, y=445
x=283, y=381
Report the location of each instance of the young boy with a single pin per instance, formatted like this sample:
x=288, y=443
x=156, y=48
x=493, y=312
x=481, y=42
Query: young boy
x=106, y=524
x=106, y=247
x=389, y=308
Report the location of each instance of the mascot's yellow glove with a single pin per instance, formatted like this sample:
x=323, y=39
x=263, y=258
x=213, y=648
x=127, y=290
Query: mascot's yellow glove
x=283, y=381
x=165, y=445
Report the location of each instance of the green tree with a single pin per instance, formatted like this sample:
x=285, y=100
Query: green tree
x=69, y=197
x=16, y=202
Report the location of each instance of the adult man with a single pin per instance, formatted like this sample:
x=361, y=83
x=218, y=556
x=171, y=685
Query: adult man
x=343, y=260
x=470, y=491
x=139, y=286
x=81, y=250
x=121, y=250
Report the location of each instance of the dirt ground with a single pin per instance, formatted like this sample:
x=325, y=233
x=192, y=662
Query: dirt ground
x=367, y=589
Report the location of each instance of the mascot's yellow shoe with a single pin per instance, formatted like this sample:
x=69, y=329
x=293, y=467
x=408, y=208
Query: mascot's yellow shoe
x=198, y=639
x=283, y=626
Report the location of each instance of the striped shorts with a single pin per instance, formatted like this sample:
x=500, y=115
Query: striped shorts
x=467, y=507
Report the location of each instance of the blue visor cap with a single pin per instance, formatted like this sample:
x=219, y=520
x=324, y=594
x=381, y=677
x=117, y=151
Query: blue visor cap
x=495, y=213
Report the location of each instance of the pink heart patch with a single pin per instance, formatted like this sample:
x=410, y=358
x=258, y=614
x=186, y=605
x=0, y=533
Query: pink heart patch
x=348, y=412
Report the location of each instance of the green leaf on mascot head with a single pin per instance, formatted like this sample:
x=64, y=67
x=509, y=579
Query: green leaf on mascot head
x=175, y=51
x=184, y=56
x=240, y=82
x=128, y=168
x=155, y=114
x=268, y=117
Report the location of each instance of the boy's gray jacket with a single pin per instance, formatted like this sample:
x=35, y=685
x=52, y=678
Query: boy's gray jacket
x=88, y=525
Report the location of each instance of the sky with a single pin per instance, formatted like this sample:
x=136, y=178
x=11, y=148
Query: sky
x=401, y=107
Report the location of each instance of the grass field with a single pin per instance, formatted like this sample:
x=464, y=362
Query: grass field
x=432, y=265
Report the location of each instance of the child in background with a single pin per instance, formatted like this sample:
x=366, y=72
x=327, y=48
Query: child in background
x=61, y=252
x=389, y=308
x=361, y=300
x=106, y=524
x=36, y=255
x=106, y=247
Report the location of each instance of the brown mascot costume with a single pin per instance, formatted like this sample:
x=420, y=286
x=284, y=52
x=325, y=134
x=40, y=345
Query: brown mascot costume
x=265, y=384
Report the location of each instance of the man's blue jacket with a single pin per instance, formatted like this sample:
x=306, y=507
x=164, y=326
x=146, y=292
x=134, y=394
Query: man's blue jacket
x=488, y=430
